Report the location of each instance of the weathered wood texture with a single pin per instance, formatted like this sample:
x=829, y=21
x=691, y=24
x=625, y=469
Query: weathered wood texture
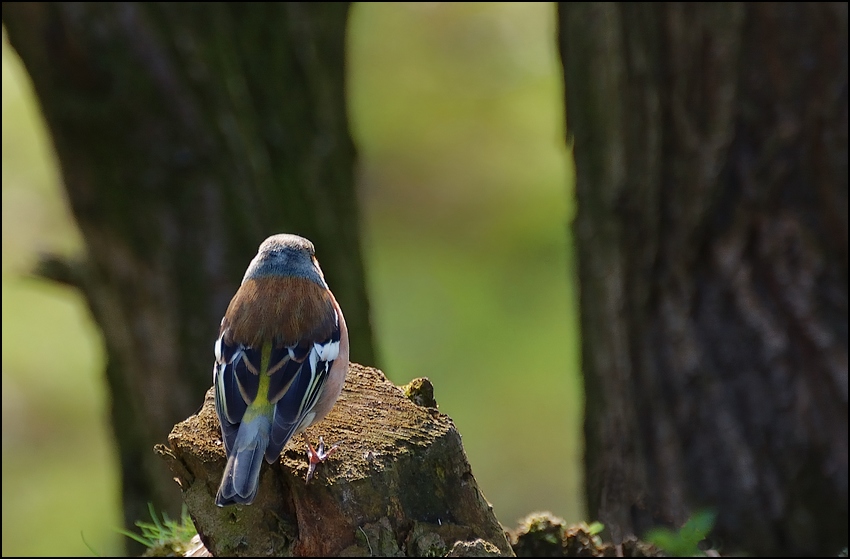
x=399, y=484
x=187, y=133
x=711, y=155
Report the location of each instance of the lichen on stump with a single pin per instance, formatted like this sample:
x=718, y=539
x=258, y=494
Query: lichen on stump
x=400, y=467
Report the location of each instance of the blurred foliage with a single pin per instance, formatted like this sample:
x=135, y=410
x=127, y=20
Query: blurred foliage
x=684, y=542
x=466, y=184
x=59, y=466
x=466, y=192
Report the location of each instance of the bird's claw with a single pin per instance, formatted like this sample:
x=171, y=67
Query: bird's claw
x=315, y=456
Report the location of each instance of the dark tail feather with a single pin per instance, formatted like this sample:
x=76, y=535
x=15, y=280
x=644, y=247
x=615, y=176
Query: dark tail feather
x=242, y=473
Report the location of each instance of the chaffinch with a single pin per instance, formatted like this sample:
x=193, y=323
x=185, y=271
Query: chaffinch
x=280, y=362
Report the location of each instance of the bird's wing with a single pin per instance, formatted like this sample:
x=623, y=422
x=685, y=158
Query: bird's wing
x=297, y=376
x=237, y=377
x=294, y=409
x=277, y=342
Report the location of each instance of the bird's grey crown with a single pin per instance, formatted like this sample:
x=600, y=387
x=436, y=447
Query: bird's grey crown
x=285, y=255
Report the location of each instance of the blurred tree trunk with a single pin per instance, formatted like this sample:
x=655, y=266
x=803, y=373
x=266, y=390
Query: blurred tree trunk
x=711, y=156
x=186, y=134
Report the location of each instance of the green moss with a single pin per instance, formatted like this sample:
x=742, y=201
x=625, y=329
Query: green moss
x=420, y=391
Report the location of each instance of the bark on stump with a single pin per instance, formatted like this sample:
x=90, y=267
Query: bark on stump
x=400, y=483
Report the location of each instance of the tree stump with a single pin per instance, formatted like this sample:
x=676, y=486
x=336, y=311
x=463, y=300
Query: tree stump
x=399, y=484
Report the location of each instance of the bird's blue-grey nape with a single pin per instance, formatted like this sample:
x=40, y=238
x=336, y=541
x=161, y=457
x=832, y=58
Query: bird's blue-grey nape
x=285, y=255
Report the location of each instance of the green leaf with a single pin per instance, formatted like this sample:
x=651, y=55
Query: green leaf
x=685, y=542
x=595, y=528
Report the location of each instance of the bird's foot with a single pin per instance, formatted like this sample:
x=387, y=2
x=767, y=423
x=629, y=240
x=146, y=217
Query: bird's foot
x=315, y=456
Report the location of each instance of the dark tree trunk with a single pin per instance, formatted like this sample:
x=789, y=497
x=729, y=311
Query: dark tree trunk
x=186, y=134
x=711, y=156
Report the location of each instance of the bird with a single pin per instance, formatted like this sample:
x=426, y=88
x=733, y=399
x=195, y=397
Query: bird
x=280, y=362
